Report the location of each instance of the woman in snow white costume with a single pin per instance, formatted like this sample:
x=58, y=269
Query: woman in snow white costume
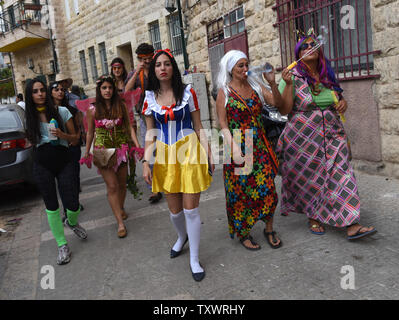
x=182, y=169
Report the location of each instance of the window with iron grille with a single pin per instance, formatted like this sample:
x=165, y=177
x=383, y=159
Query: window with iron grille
x=226, y=26
x=215, y=31
x=175, y=35
x=155, y=35
x=12, y=10
x=346, y=26
x=93, y=64
x=103, y=56
x=83, y=65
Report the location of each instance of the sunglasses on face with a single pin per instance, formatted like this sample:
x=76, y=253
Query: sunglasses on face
x=304, y=46
x=42, y=90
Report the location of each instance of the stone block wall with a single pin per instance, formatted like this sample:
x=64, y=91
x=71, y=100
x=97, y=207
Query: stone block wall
x=41, y=54
x=385, y=25
x=126, y=22
x=263, y=38
x=115, y=22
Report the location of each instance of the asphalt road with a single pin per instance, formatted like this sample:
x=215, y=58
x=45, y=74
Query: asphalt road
x=139, y=267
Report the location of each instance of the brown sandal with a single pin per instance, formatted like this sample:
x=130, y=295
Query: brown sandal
x=248, y=237
x=272, y=243
x=122, y=233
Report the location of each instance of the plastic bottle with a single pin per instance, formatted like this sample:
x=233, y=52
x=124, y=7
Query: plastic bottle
x=53, y=124
x=258, y=71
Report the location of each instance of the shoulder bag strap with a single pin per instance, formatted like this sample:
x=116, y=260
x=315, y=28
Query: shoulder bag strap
x=269, y=148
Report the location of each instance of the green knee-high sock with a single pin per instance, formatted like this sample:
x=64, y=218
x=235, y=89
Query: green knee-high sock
x=73, y=216
x=56, y=226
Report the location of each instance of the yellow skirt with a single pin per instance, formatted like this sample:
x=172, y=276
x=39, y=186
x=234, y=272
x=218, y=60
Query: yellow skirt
x=181, y=167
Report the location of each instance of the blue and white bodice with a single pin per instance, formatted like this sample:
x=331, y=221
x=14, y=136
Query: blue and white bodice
x=173, y=122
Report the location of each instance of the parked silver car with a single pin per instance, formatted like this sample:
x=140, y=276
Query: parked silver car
x=16, y=153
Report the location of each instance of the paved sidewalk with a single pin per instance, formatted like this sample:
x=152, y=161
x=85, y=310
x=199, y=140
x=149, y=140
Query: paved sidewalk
x=139, y=267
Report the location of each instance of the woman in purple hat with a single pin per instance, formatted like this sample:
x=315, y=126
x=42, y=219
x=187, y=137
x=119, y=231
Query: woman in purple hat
x=318, y=179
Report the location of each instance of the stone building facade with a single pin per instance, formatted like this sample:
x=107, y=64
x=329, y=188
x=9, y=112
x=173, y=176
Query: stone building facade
x=27, y=39
x=373, y=113
x=105, y=29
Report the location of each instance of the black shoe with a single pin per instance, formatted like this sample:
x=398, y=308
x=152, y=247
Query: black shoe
x=155, y=198
x=199, y=275
x=174, y=254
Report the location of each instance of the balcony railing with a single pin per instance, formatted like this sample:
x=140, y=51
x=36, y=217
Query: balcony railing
x=19, y=14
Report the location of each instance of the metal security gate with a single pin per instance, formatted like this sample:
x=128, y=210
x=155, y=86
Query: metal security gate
x=347, y=25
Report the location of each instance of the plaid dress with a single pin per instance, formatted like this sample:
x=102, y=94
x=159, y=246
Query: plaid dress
x=317, y=178
x=251, y=195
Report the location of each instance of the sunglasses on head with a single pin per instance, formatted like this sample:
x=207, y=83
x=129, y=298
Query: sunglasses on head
x=103, y=79
x=304, y=46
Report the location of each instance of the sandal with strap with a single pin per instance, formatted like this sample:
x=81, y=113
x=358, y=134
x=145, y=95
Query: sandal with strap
x=359, y=234
x=313, y=226
x=122, y=233
x=272, y=243
x=248, y=237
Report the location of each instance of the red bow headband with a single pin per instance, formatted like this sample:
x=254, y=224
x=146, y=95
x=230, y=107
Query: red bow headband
x=167, y=51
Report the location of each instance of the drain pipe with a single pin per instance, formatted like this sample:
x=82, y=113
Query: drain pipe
x=12, y=73
x=52, y=41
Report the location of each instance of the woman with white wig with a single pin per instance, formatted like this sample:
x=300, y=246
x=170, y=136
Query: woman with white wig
x=249, y=175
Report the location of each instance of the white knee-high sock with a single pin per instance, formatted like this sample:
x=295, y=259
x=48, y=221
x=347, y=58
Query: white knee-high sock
x=193, y=223
x=179, y=223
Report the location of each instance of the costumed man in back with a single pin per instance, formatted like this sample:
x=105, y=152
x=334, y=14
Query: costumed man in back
x=138, y=78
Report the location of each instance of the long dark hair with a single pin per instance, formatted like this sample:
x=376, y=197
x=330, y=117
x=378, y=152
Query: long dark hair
x=51, y=87
x=64, y=102
x=118, y=107
x=177, y=83
x=32, y=115
x=124, y=73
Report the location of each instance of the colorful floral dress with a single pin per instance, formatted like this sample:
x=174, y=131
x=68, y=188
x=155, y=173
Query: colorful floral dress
x=181, y=163
x=251, y=195
x=317, y=177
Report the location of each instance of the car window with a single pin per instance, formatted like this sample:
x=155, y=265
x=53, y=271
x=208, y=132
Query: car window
x=8, y=120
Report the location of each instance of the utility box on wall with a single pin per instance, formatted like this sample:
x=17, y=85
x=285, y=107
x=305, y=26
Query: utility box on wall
x=197, y=81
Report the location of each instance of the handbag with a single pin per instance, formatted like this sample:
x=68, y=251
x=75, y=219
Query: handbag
x=104, y=158
x=273, y=123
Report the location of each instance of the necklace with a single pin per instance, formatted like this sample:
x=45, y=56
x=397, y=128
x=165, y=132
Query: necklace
x=41, y=109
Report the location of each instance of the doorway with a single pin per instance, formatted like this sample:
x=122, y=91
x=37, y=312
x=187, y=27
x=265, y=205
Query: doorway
x=125, y=52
